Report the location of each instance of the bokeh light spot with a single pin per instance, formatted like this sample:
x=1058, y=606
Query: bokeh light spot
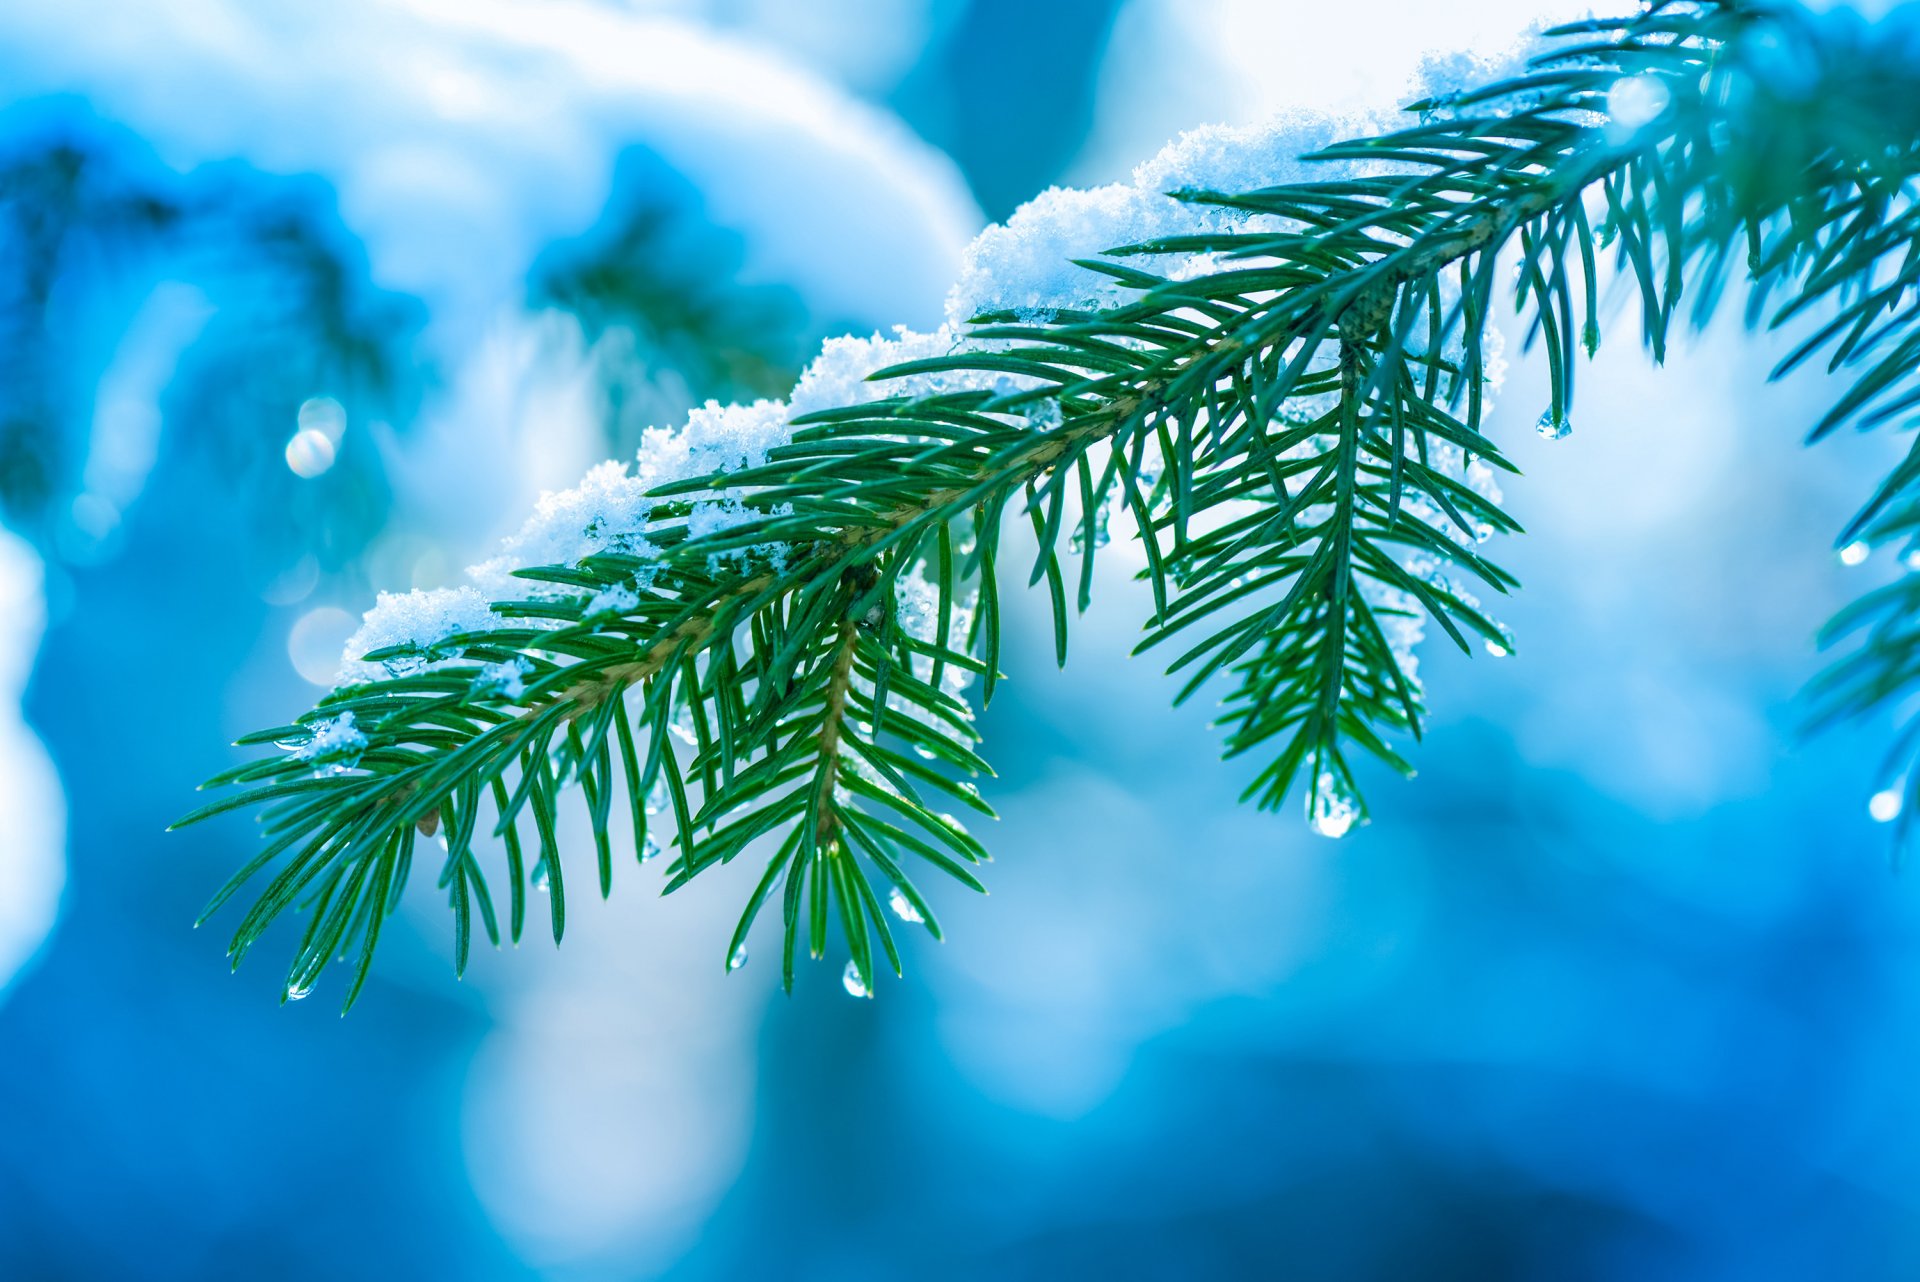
x=309, y=453
x=317, y=640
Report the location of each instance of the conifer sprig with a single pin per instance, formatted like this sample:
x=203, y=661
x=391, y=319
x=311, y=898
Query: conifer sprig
x=1285, y=400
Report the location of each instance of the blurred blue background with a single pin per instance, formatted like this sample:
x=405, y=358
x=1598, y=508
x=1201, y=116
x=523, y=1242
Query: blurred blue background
x=1621, y=986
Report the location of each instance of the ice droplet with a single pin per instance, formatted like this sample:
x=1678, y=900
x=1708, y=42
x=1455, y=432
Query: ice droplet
x=737, y=958
x=851, y=981
x=1855, y=553
x=649, y=850
x=1331, y=821
x=540, y=875
x=903, y=907
x=299, y=992
x=1885, y=806
x=1554, y=427
x=1333, y=810
x=1497, y=650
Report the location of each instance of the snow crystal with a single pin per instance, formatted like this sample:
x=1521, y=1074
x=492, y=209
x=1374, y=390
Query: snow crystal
x=1482, y=481
x=716, y=438
x=1443, y=77
x=609, y=511
x=1024, y=265
x=1244, y=158
x=1402, y=621
x=606, y=512
x=335, y=742
x=917, y=612
x=618, y=599
x=839, y=376
x=705, y=520
x=420, y=620
x=506, y=680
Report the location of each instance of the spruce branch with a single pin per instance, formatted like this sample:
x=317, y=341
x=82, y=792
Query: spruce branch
x=1281, y=385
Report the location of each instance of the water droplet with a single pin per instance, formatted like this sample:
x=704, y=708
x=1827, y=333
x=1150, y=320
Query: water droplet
x=1554, y=427
x=540, y=875
x=1331, y=822
x=1912, y=559
x=1885, y=806
x=737, y=958
x=926, y=754
x=1334, y=811
x=903, y=907
x=657, y=798
x=1497, y=650
x=649, y=850
x=850, y=980
x=1634, y=101
x=299, y=991
x=1855, y=553
x=310, y=453
x=1482, y=532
